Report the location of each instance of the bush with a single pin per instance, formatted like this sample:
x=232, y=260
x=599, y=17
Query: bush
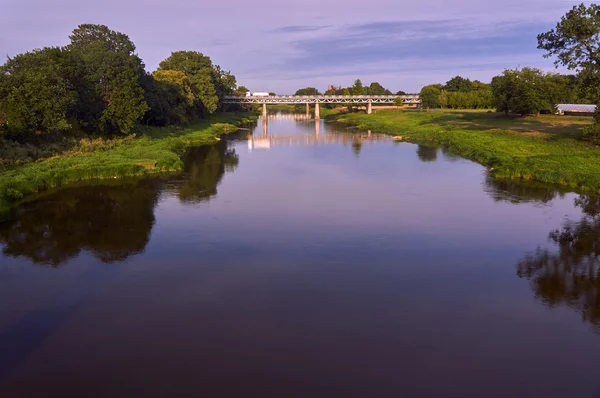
x=13, y=195
x=592, y=133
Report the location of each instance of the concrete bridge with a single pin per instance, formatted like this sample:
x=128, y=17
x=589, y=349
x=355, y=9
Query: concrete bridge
x=367, y=100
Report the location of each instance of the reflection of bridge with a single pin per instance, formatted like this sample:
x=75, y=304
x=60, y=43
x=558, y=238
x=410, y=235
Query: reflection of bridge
x=289, y=116
x=322, y=99
x=266, y=141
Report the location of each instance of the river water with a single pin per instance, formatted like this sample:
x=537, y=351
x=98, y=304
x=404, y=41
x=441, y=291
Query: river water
x=297, y=260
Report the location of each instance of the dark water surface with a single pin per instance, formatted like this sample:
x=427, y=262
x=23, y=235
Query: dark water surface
x=303, y=262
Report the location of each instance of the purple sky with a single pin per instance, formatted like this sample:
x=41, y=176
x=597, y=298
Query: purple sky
x=284, y=45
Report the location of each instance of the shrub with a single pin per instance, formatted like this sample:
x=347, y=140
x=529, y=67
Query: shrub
x=13, y=195
x=592, y=133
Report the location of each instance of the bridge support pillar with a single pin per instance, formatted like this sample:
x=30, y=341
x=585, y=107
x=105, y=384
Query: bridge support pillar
x=264, y=110
x=317, y=115
x=369, y=108
x=307, y=109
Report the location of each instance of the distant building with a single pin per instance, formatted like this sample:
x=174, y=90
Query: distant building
x=575, y=109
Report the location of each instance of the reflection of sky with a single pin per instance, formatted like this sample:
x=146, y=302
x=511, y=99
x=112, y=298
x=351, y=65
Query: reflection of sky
x=384, y=198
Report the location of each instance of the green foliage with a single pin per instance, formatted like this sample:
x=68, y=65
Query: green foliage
x=207, y=81
x=35, y=92
x=458, y=83
x=398, y=101
x=158, y=150
x=545, y=148
x=108, y=76
x=575, y=41
x=377, y=89
x=308, y=91
x=357, y=88
x=430, y=96
x=592, y=134
x=526, y=91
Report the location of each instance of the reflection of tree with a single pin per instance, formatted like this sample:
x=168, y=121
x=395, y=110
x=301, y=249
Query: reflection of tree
x=205, y=167
x=449, y=156
x=356, y=147
x=427, y=153
x=516, y=192
x=570, y=276
x=111, y=222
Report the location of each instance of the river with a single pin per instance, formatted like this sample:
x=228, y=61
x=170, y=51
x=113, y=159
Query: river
x=300, y=260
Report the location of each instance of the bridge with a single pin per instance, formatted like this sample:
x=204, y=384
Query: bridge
x=367, y=100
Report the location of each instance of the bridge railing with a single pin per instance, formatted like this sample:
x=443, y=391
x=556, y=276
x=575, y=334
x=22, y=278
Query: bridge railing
x=299, y=99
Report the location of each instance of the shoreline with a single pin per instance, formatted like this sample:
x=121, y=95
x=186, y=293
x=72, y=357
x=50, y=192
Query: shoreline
x=544, y=149
x=154, y=152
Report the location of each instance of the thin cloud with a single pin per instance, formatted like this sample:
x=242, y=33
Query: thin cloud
x=300, y=28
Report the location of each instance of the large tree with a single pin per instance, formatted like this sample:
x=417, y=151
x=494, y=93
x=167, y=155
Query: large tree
x=460, y=84
x=524, y=91
x=108, y=75
x=35, y=92
x=430, y=96
x=209, y=83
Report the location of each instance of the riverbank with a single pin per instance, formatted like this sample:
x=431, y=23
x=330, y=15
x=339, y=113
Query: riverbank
x=156, y=150
x=547, y=148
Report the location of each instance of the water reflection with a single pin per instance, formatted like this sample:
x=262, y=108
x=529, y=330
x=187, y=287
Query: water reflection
x=309, y=134
x=110, y=222
x=570, y=275
x=427, y=153
x=516, y=192
x=204, y=169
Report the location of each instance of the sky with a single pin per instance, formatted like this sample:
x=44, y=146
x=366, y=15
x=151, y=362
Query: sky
x=280, y=46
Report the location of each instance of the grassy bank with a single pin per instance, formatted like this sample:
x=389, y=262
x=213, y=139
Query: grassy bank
x=547, y=148
x=155, y=150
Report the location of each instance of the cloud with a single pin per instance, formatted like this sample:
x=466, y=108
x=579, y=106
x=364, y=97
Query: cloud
x=300, y=28
x=376, y=48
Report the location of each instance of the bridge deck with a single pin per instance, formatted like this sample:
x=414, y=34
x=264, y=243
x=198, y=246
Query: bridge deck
x=323, y=99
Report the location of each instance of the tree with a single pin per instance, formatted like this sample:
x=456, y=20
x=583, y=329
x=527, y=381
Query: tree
x=35, y=92
x=240, y=91
x=357, y=88
x=398, y=101
x=524, y=91
x=108, y=74
x=575, y=41
x=204, y=78
x=401, y=93
x=170, y=97
x=377, y=89
x=459, y=84
x=430, y=96
x=308, y=91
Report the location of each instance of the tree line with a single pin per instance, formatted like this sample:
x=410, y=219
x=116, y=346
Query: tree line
x=375, y=88
x=97, y=84
x=574, y=42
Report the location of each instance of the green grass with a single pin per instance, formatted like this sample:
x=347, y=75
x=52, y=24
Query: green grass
x=547, y=149
x=156, y=150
